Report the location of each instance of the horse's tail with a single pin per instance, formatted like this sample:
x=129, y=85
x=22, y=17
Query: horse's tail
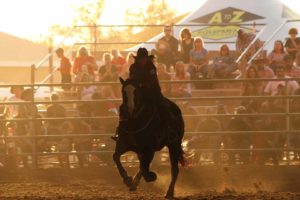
x=182, y=159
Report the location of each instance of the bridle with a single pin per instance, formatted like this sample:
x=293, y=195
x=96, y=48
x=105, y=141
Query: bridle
x=138, y=112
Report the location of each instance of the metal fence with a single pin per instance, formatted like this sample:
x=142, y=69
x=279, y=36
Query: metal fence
x=34, y=137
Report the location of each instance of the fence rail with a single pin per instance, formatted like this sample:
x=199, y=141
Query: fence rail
x=34, y=137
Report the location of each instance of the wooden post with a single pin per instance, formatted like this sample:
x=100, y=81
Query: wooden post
x=33, y=121
x=51, y=67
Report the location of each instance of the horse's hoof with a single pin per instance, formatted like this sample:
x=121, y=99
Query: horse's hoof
x=128, y=181
x=132, y=188
x=150, y=177
x=169, y=196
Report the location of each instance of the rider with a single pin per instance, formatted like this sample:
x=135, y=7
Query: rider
x=143, y=71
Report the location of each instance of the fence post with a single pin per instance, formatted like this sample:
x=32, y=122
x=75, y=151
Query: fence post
x=287, y=118
x=51, y=67
x=33, y=121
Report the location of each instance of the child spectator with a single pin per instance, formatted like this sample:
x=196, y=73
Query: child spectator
x=65, y=68
x=163, y=76
x=181, y=89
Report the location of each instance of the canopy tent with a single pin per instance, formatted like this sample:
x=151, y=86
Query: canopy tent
x=217, y=22
x=15, y=51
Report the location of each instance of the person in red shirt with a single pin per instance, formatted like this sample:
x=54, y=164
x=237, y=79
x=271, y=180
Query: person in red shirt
x=65, y=68
x=84, y=63
x=118, y=61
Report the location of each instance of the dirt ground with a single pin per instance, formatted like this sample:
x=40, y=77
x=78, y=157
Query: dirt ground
x=205, y=182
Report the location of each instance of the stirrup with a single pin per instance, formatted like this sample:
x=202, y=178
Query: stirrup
x=115, y=137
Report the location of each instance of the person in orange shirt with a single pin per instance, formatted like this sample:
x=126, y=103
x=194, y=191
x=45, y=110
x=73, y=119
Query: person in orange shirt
x=65, y=68
x=84, y=63
x=118, y=61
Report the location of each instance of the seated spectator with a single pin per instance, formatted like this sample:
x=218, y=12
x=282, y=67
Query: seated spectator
x=118, y=61
x=275, y=87
x=247, y=44
x=276, y=57
x=162, y=75
x=297, y=59
x=223, y=65
x=295, y=121
x=240, y=141
x=54, y=127
x=186, y=44
x=84, y=63
x=167, y=48
x=108, y=73
x=108, y=93
x=86, y=92
x=129, y=62
x=244, y=40
x=81, y=143
x=181, y=89
x=53, y=111
x=292, y=43
x=253, y=88
x=17, y=92
x=27, y=128
x=198, y=60
x=263, y=71
x=290, y=69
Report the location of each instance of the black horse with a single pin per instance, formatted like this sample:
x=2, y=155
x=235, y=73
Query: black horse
x=144, y=131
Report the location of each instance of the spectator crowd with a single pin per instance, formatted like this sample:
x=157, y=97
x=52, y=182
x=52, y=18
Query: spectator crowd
x=192, y=62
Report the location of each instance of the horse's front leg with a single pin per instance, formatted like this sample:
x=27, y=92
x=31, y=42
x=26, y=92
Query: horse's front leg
x=116, y=156
x=145, y=159
x=175, y=154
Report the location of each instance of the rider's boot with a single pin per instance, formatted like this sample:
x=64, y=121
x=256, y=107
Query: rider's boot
x=116, y=136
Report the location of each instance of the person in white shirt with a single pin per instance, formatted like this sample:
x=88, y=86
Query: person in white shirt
x=17, y=92
x=273, y=88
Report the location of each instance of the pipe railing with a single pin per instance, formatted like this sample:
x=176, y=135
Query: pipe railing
x=50, y=54
x=173, y=25
x=272, y=36
x=53, y=49
x=250, y=45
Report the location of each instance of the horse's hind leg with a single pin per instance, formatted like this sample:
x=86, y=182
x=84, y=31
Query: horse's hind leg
x=116, y=156
x=175, y=153
x=145, y=160
x=136, y=181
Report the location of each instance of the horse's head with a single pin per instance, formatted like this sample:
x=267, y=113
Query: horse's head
x=131, y=95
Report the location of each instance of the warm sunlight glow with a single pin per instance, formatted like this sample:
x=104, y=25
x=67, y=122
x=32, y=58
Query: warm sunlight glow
x=294, y=5
x=32, y=18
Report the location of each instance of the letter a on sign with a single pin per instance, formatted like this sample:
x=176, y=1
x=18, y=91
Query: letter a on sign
x=217, y=18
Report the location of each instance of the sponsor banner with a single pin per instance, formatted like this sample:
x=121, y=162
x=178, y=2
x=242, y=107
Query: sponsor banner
x=226, y=15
